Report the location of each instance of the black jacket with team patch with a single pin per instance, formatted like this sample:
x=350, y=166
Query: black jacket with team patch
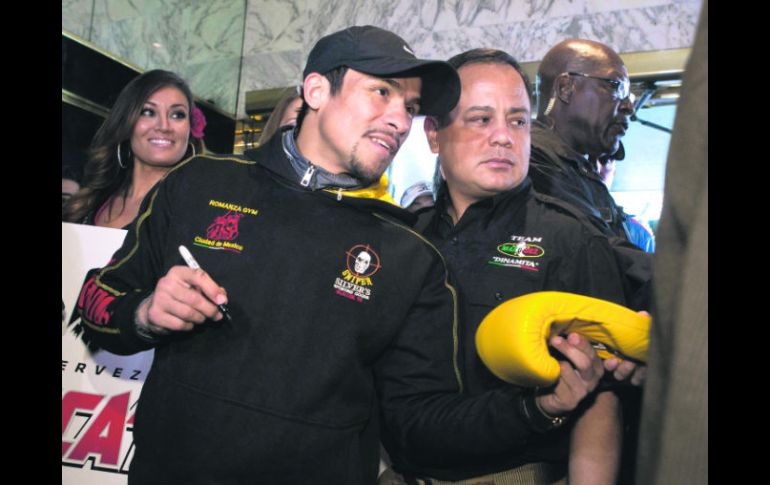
x=287, y=391
x=509, y=245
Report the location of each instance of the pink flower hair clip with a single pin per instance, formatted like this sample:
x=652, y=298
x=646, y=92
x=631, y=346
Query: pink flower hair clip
x=197, y=123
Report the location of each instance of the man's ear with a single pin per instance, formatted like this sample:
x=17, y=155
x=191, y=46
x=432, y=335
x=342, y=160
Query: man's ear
x=431, y=132
x=315, y=90
x=564, y=87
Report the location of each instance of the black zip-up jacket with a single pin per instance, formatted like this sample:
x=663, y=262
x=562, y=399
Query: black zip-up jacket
x=287, y=392
x=509, y=245
x=559, y=171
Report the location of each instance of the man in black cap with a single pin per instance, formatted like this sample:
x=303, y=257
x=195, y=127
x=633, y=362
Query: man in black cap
x=327, y=287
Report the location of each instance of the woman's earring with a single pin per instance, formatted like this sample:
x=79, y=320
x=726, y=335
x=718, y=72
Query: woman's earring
x=120, y=162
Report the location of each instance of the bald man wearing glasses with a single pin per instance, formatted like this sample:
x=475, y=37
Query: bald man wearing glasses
x=585, y=105
x=584, y=110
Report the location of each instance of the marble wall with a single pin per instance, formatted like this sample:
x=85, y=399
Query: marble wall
x=280, y=33
x=200, y=40
x=76, y=17
x=206, y=42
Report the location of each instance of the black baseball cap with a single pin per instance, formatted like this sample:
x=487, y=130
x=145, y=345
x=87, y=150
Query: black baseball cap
x=378, y=52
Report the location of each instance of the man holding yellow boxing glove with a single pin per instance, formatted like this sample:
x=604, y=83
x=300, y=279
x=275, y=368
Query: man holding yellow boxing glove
x=502, y=240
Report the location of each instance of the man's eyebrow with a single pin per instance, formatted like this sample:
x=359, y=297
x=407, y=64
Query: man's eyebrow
x=395, y=84
x=484, y=109
x=398, y=87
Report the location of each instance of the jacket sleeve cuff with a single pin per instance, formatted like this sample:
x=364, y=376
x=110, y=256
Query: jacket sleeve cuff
x=537, y=419
x=131, y=335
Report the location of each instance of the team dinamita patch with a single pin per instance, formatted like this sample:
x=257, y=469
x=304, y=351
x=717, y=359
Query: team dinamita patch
x=519, y=252
x=355, y=281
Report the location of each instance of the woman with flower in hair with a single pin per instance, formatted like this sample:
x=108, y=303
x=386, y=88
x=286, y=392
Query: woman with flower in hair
x=152, y=126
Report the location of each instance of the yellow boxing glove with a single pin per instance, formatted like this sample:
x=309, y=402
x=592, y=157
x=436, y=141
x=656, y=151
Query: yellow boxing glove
x=512, y=340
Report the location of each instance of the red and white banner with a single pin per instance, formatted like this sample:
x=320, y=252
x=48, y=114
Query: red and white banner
x=99, y=390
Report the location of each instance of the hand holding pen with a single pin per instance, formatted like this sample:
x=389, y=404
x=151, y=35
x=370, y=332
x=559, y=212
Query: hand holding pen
x=193, y=264
x=186, y=296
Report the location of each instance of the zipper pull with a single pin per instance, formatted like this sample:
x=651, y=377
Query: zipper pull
x=339, y=194
x=308, y=175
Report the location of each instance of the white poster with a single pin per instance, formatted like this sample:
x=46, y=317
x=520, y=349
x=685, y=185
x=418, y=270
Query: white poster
x=99, y=390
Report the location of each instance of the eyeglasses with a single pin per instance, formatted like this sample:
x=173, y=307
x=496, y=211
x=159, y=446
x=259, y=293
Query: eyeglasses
x=620, y=89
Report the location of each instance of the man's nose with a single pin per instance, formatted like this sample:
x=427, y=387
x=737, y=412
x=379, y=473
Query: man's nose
x=398, y=118
x=627, y=104
x=501, y=133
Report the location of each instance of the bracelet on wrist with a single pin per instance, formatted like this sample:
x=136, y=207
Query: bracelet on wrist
x=537, y=417
x=147, y=331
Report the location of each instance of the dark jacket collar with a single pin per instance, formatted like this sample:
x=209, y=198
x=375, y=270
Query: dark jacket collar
x=544, y=136
x=443, y=201
x=272, y=157
x=489, y=206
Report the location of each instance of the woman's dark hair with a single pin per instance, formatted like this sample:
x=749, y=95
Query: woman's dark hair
x=274, y=122
x=102, y=174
